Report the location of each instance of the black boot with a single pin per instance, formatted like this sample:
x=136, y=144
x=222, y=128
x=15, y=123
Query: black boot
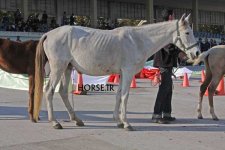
x=158, y=119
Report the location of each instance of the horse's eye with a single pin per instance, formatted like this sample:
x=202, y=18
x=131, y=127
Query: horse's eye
x=187, y=33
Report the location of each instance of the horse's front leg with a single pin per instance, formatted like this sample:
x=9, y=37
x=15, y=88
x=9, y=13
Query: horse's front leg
x=117, y=106
x=126, y=81
x=31, y=97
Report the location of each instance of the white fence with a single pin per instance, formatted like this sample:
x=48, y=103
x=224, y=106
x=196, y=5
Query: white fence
x=23, y=35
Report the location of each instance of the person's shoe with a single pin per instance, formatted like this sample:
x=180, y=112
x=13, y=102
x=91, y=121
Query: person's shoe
x=169, y=118
x=160, y=121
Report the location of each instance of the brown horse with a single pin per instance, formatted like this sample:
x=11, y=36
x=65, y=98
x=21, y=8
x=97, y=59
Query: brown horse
x=214, y=60
x=19, y=58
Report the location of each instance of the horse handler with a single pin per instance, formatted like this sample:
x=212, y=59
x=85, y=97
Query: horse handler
x=165, y=60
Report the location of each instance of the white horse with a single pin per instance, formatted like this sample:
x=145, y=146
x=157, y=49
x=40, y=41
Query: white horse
x=97, y=52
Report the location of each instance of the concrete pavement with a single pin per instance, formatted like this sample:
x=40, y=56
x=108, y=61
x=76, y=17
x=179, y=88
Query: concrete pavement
x=100, y=131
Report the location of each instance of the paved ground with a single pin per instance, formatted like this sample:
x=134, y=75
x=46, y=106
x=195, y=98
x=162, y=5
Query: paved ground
x=100, y=132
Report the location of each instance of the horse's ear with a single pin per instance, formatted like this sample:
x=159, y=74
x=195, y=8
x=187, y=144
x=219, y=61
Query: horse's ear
x=188, y=18
x=182, y=19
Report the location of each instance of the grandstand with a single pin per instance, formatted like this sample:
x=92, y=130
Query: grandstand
x=204, y=12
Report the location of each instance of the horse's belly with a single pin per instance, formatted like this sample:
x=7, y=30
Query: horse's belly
x=96, y=68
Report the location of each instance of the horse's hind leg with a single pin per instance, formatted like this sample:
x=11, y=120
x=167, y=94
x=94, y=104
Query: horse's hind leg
x=203, y=88
x=31, y=97
x=212, y=88
x=57, y=70
x=63, y=91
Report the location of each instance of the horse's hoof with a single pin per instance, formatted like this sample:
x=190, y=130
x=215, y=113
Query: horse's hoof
x=121, y=125
x=80, y=123
x=216, y=119
x=57, y=126
x=200, y=117
x=33, y=120
x=130, y=128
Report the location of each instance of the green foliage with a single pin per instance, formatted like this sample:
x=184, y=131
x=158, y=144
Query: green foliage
x=82, y=20
x=128, y=22
x=9, y=14
x=211, y=28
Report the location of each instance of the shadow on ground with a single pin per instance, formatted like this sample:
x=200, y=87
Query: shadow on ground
x=96, y=118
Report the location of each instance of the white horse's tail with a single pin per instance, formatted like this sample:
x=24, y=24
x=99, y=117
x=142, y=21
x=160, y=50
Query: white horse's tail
x=40, y=61
x=201, y=57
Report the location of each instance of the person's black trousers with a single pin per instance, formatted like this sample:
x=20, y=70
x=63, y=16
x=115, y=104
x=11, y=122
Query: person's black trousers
x=164, y=96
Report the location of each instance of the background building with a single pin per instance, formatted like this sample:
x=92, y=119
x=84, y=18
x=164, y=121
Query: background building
x=204, y=12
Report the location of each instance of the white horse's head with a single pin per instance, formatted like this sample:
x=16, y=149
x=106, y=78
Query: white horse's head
x=184, y=38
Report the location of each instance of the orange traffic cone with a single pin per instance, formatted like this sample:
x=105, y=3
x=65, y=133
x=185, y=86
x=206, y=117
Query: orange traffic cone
x=111, y=78
x=202, y=76
x=220, y=88
x=79, y=86
x=117, y=78
x=185, y=81
x=133, y=83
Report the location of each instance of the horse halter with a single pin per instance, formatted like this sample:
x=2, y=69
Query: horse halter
x=179, y=39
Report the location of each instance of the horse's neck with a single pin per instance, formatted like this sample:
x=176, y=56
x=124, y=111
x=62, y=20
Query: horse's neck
x=157, y=35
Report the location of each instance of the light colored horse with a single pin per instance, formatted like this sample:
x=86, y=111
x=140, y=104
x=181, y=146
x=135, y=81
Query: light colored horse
x=97, y=52
x=214, y=60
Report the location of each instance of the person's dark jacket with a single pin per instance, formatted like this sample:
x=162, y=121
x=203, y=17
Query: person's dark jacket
x=166, y=58
x=206, y=46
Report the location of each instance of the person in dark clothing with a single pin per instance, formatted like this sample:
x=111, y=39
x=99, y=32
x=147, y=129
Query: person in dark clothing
x=72, y=19
x=206, y=45
x=165, y=60
x=44, y=17
x=212, y=43
x=64, y=19
x=17, y=16
x=201, y=45
x=222, y=41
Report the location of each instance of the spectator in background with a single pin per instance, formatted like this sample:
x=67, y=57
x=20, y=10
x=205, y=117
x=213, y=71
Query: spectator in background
x=212, y=43
x=64, y=19
x=53, y=24
x=18, y=39
x=222, y=42
x=5, y=21
x=206, y=45
x=44, y=18
x=17, y=16
x=72, y=19
x=201, y=45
